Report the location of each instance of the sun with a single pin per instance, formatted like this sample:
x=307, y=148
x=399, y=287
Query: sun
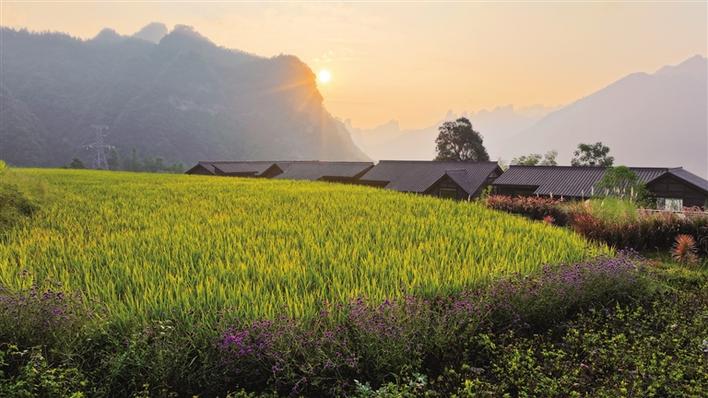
x=324, y=76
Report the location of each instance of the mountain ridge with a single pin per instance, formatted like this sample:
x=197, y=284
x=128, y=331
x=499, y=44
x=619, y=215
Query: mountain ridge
x=182, y=99
x=648, y=119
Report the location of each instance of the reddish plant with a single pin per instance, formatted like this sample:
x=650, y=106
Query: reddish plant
x=684, y=249
x=585, y=224
x=534, y=207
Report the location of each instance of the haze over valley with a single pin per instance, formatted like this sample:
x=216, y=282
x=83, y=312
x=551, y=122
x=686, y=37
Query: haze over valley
x=647, y=119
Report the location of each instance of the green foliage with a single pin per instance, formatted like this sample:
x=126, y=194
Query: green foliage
x=15, y=205
x=76, y=163
x=153, y=165
x=612, y=210
x=592, y=155
x=152, y=245
x=651, y=347
x=653, y=350
x=458, y=141
x=623, y=183
x=614, y=221
x=534, y=159
x=27, y=373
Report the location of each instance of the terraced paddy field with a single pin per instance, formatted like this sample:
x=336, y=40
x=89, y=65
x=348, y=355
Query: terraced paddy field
x=148, y=246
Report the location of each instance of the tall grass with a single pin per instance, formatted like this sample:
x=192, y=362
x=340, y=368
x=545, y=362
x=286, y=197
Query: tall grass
x=174, y=246
x=614, y=210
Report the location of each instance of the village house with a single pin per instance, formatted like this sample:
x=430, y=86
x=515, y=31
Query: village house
x=455, y=180
x=673, y=188
x=265, y=169
x=323, y=171
x=291, y=169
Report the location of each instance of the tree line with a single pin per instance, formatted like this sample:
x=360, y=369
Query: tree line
x=132, y=163
x=459, y=141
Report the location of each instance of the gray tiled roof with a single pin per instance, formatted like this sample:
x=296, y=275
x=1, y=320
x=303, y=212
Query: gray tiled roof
x=314, y=170
x=693, y=179
x=419, y=176
x=577, y=181
x=252, y=167
x=206, y=165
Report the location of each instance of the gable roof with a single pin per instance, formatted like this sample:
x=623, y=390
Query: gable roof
x=225, y=167
x=201, y=165
x=241, y=168
x=691, y=178
x=315, y=170
x=578, y=181
x=419, y=176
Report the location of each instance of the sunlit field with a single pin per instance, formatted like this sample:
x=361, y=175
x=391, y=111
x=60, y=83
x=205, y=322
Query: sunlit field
x=150, y=246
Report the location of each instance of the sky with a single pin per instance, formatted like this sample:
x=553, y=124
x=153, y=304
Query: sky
x=415, y=61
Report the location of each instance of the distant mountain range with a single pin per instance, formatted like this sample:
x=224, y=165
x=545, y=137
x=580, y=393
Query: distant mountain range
x=657, y=119
x=389, y=141
x=172, y=95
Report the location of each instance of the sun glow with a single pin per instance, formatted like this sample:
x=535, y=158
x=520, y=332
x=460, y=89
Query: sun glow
x=324, y=76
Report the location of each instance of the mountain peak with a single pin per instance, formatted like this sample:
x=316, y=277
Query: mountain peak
x=695, y=65
x=152, y=32
x=108, y=35
x=184, y=37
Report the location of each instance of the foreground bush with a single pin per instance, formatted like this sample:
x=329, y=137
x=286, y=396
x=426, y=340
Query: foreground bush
x=14, y=206
x=534, y=207
x=372, y=342
x=612, y=221
x=651, y=231
x=655, y=347
x=344, y=349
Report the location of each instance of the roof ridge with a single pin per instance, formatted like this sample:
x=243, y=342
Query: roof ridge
x=438, y=161
x=593, y=167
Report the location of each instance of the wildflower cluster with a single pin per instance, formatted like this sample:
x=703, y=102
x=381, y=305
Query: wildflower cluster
x=366, y=341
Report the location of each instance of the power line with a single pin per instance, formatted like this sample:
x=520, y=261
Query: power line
x=100, y=160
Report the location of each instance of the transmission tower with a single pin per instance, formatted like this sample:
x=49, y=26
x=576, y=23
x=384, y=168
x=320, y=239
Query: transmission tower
x=100, y=160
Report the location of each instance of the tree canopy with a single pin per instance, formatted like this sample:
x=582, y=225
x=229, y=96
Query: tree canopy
x=460, y=142
x=596, y=154
x=535, y=159
x=621, y=182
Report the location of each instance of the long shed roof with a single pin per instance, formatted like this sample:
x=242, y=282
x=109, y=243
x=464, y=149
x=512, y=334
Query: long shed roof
x=419, y=176
x=580, y=181
x=315, y=170
x=252, y=167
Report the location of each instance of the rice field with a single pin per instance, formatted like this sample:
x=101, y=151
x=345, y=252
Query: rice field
x=145, y=246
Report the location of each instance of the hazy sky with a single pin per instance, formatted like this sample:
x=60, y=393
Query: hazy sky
x=414, y=61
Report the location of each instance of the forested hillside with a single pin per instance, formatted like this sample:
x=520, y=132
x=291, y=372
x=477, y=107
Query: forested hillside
x=182, y=99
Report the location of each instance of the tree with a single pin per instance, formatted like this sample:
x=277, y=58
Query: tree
x=621, y=182
x=458, y=141
x=534, y=159
x=592, y=155
x=113, y=160
x=527, y=160
x=76, y=163
x=131, y=163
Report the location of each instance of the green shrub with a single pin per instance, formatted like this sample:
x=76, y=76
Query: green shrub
x=27, y=373
x=613, y=210
x=652, y=350
x=14, y=206
x=653, y=347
